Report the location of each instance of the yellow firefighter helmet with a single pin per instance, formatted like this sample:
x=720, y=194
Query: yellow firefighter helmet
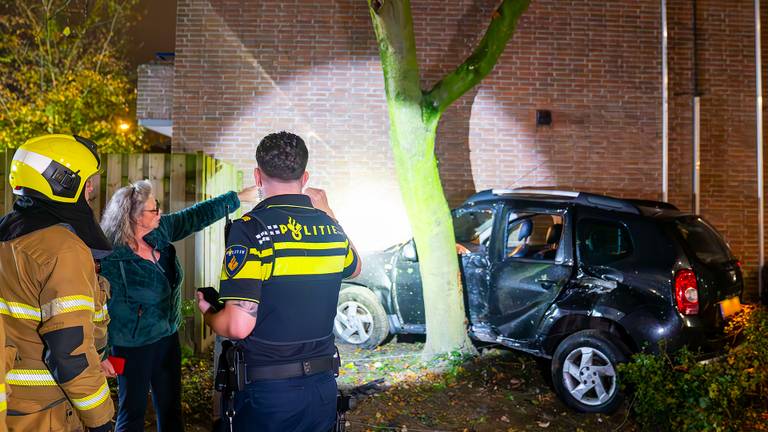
x=55, y=166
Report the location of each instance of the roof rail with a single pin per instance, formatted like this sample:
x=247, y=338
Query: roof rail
x=607, y=203
x=583, y=198
x=661, y=205
x=529, y=191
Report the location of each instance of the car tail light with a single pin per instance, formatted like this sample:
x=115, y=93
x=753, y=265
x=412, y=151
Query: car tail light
x=739, y=264
x=687, y=292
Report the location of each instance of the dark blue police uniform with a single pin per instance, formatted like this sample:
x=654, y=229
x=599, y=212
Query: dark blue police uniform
x=290, y=258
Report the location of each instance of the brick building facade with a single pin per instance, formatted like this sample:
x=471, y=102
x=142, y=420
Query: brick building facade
x=244, y=69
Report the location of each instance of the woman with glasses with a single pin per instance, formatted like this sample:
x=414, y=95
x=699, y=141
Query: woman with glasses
x=145, y=278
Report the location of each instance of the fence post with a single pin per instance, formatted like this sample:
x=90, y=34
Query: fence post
x=7, y=192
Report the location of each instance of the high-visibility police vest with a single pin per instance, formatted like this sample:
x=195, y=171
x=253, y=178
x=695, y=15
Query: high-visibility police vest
x=290, y=258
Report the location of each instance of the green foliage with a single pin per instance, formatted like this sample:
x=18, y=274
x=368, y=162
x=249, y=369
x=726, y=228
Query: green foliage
x=728, y=394
x=61, y=71
x=197, y=387
x=452, y=364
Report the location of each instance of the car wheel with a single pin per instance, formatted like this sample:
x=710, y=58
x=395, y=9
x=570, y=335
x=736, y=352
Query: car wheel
x=360, y=318
x=584, y=372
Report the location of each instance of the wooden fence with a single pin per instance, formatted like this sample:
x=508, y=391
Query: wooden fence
x=179, y=181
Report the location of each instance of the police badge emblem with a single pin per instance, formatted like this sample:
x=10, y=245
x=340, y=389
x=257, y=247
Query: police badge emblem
x=234, y=259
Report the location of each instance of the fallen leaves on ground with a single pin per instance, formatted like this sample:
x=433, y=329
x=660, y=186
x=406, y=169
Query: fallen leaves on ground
x=498, y=391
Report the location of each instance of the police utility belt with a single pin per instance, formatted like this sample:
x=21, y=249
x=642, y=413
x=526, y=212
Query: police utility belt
x=233, y=373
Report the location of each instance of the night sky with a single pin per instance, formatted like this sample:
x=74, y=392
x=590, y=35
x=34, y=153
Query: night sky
x=155, y=31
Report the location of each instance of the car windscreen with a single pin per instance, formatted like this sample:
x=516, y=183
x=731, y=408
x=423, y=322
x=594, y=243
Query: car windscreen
x=703, y=240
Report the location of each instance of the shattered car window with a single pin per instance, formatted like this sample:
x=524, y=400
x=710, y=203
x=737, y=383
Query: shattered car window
x=534, y=236
x=602, y=242
x=473, y=228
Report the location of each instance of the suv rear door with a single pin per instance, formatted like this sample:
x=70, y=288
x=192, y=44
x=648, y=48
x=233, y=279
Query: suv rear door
x=717, y=272
x=530, y=264
x=624, y=263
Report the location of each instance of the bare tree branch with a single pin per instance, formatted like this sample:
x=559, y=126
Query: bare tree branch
x=111, y=33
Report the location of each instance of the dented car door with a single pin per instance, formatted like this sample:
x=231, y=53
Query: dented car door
x=530, y=267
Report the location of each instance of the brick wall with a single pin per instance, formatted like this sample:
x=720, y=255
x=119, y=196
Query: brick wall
x=244, y=69
x=155, y=90
x=726, y=85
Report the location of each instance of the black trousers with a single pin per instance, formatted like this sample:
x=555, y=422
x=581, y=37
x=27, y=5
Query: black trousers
x=302, y=404
x=156, y=366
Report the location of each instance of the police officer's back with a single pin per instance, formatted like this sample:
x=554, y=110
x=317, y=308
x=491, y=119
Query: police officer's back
x=282, y=271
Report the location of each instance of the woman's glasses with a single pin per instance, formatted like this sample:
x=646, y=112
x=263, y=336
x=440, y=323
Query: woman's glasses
x=155, y=210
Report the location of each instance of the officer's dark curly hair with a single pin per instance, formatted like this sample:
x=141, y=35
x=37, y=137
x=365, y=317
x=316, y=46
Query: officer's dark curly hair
x=282, y=155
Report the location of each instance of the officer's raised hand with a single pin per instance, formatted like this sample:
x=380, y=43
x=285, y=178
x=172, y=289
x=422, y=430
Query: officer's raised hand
x=249, y=194
x=319, y=200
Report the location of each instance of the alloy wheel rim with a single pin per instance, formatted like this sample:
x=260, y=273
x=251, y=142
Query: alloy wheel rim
x=353, y=323
x=589, y=376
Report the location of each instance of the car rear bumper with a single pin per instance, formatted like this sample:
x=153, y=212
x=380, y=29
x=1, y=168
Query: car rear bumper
x=676, y=331
x=705, y=342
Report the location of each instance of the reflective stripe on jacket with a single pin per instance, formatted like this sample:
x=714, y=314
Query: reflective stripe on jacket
x=51, y=303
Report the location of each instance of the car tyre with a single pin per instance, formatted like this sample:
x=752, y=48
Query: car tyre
x=584, y=372
x=360, y=318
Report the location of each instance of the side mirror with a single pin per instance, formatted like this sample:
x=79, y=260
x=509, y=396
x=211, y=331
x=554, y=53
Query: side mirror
x=409, y=251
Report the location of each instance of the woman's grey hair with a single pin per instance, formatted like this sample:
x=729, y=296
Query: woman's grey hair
x=122, y=212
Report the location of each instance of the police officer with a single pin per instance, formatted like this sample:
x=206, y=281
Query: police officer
x=50, y=298
x=280, y=282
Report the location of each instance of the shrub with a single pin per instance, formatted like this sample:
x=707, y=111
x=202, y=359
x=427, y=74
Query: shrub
x=727, y=394
x=197, y=387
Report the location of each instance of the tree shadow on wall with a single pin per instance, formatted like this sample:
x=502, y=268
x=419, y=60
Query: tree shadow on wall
x=274, y=45
x=452, y=144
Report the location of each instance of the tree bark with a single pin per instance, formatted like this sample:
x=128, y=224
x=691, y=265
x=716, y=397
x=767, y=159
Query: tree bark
x=414, y=116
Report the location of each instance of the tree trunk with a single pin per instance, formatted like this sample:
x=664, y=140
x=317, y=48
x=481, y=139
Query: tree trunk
x=414, y=116
x=432, y=225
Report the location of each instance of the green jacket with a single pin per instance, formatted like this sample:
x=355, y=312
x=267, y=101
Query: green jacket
x=145, y=307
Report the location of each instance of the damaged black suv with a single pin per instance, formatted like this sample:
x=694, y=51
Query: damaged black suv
x=584, y=280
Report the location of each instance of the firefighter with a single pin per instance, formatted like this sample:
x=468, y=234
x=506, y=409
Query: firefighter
x=50, y=298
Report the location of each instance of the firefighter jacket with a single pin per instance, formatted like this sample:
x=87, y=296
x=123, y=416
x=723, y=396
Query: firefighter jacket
x=101, y=318
x=50, y=300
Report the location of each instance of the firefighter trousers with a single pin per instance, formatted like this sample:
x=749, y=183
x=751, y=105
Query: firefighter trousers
x=59, y=418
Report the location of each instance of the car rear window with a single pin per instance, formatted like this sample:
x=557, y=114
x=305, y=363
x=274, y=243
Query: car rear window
x=603, y=242
x=703, y=240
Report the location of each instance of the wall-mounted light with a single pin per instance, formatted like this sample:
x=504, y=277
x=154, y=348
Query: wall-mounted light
x=543, y=118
